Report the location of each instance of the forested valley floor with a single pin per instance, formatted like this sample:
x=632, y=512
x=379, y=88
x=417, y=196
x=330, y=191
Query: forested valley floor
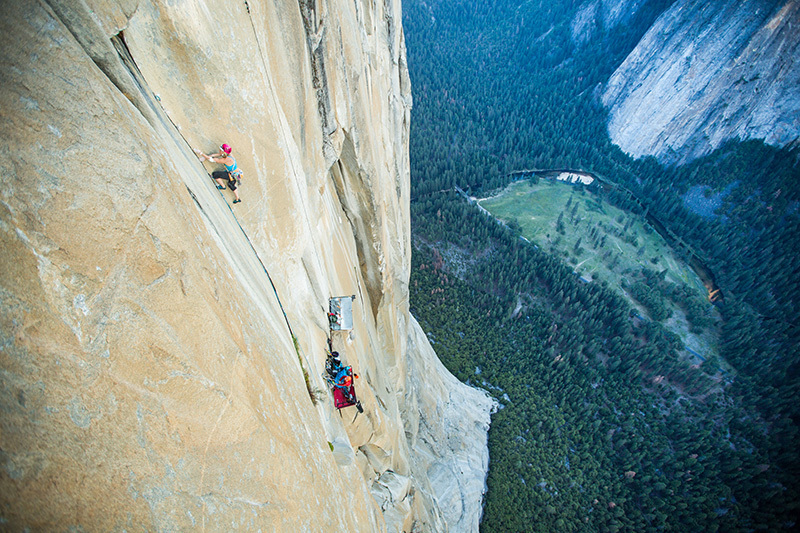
x=603, y=426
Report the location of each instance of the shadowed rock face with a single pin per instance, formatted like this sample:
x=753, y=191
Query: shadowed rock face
x=149, y=378
x=594, y=16
x=706, y=73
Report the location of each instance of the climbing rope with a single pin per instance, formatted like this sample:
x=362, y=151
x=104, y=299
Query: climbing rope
x=271, y=92
x=154, y=103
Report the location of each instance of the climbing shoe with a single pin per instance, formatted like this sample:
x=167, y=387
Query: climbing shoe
x=221, y=187
x=236, y=201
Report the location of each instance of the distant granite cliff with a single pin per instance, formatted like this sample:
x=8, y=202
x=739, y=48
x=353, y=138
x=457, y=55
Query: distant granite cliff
x=595, y=16
x=162, y=349
x=707, y=72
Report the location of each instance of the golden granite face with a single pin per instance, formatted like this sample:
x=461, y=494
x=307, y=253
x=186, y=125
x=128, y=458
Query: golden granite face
x=150, y=378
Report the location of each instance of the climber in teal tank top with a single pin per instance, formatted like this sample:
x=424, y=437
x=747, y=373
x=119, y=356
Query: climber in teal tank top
x=231, y=168
x=232, y=173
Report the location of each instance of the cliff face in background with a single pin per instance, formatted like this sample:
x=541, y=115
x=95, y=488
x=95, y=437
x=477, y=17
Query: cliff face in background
x=706, y=73
x=598, y=15
x=149, y=376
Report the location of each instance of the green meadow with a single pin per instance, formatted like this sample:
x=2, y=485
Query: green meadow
x=613, y=242
x=601, y=242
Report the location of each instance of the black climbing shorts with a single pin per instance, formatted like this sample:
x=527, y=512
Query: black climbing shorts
x=224, y=175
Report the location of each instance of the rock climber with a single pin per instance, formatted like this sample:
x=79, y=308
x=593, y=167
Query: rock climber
x=333, y=364
x=341, y=375
x=232, y=174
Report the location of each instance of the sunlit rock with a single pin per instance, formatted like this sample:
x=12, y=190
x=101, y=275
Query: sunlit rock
x=155, y=336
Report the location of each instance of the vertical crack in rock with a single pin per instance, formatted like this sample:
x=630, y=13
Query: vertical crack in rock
x=314, y=25
x=390, y=27
x=142, y=98
x=107, y=54
x=404, y=84
x=355, y=196
x=402, y=71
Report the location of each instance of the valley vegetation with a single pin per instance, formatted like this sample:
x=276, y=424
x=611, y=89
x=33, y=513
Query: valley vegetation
x=603, y=425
